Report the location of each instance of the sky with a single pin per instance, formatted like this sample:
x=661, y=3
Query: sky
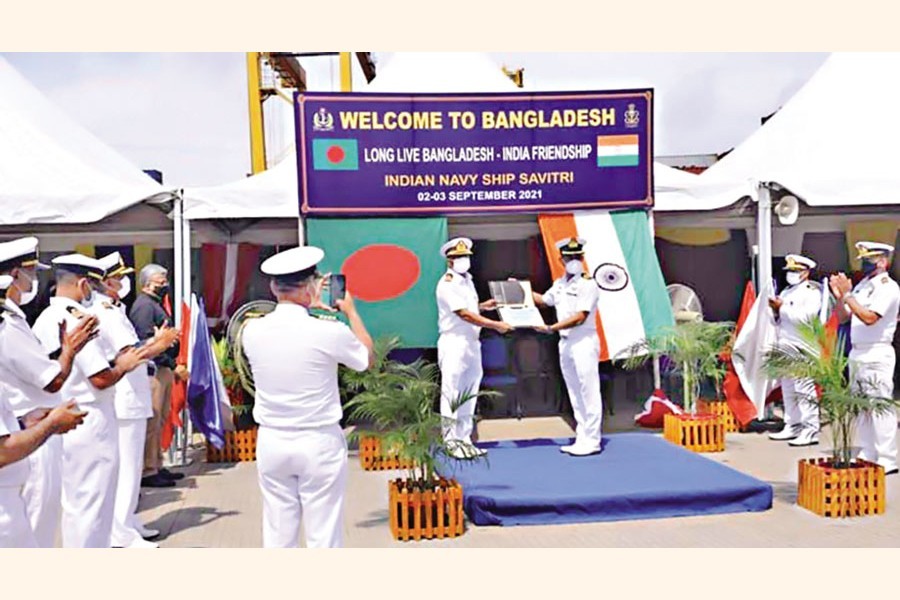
x=185, y=114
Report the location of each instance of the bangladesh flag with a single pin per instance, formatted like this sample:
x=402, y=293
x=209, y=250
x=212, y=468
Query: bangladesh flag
x=335, y=155
x=392, y=268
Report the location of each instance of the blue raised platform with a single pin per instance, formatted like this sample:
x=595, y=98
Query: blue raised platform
x=637, y=476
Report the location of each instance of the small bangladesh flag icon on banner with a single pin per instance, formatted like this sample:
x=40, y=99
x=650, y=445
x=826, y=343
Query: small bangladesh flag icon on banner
x=617, y=151
x=335, y=155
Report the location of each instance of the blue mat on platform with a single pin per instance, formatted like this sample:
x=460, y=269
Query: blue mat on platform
x=637, y=476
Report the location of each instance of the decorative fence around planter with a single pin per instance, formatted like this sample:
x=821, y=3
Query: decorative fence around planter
x=372, y=458
x=240, y=446
x=700, y=433
x=848, y=492
x=719, y=408
x=430, y=514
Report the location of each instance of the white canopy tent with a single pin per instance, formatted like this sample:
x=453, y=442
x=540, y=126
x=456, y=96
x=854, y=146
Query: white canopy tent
x=52, y=170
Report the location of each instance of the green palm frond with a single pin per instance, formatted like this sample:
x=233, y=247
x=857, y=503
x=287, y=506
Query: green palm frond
x=819, y=356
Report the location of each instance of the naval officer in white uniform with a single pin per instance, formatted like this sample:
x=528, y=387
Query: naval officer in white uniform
x=133, y=396
x=575, y=295
x=459, y=349
x=798, y=303
x=872, y=307
x=301, y=453
x=34, y=380
x=90, y=454
x=19, y=439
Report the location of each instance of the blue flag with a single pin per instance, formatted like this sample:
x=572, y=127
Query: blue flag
x=205, y=394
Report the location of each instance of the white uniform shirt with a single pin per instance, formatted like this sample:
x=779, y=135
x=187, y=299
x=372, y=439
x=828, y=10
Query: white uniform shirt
x=294, y=358
x=456, y=292
x=571, y=296
x=881, y=295
x=15, y=474
x=25, y=365
x=92, y=359
x=133, y=396
x=800, y=303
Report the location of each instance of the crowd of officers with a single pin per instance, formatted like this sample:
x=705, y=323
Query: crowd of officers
x=75, y=401
x=80, y=403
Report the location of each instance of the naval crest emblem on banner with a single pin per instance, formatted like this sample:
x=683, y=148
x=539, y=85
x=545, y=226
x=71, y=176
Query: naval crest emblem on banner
x=632, y=116
x=322, y=120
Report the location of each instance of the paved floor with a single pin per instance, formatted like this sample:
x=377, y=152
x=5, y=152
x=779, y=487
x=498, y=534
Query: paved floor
x=219, y=505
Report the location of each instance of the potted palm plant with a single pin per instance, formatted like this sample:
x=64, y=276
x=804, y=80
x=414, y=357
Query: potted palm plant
x=839, y=485
x=423, y=504
x=375, y=381
x=240, y=445
x=694, y=348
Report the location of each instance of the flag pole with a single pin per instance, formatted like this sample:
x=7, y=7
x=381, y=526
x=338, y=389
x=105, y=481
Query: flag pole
x=764, y=236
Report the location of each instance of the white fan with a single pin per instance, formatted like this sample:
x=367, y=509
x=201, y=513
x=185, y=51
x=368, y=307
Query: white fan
x=685, y=303
x=251, y=310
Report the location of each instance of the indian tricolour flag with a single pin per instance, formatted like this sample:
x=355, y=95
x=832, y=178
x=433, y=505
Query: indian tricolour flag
x=618, y=151
x=621, y=259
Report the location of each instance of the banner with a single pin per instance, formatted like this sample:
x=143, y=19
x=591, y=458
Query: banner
x=392, y=268
x=440, y=154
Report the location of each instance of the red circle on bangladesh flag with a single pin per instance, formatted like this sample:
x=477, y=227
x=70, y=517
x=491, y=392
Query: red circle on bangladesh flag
x=335, y=155
x=381, y=272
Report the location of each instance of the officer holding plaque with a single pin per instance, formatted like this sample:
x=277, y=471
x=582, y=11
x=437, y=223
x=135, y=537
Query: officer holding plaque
x=574, y=296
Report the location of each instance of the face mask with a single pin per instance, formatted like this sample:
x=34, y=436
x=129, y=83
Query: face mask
x=31, y=294
x=574, y=267
x=161, y=290
x=793, y=278
x=868, y=267
x=462, y=265
x=125, y=289
x=88, y=296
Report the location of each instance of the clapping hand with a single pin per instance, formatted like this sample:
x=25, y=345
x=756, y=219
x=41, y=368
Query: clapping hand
x=81, y=334
x=840, y=285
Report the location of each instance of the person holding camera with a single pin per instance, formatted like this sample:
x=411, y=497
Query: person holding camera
x=301, y=452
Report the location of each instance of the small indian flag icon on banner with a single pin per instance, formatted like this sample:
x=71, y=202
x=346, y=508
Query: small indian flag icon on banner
x=617, y=151
x=335, y=155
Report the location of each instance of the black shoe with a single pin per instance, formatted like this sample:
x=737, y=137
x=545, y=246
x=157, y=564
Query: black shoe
x=156, y=481
x=167, y=474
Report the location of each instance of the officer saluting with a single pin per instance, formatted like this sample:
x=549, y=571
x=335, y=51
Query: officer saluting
x=459, y=350
x=797, y=304
x=574, y=295
x=91, y=453
x=872, y=307
x=16, y=444
x=34, y=379
x=301, y=452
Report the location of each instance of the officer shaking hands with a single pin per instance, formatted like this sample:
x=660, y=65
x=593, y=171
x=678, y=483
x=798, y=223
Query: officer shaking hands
x=574, y=295
x=459, y=349
x=796, y=304
x=294, y=358
x=872, y=307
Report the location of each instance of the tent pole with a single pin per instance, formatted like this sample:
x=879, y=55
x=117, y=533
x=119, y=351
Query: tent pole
x=764, y=236
x=188, y=428
x=177, y=239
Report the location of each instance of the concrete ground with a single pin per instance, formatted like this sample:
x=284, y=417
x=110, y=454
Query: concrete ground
x=219, y=505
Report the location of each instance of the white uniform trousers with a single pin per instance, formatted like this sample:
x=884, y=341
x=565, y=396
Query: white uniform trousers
x=459, y=358
x=872, y=370
x=132, y=434
x=578, y=360
x=90, y=472
x=15, y=530
x=302, y=475
x=800, y=405
x=43, y=491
